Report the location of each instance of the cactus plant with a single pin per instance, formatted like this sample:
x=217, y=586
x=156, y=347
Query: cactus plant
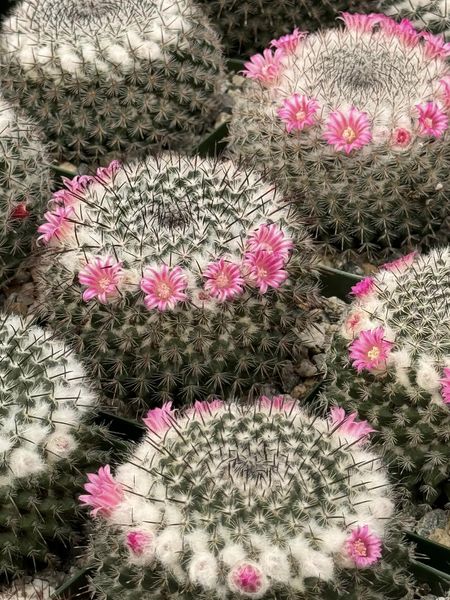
x=395, y=371
x=352, y=123
x=28, y=589
x=46, y=439
x=24, y=187
x=433, y=15
x=176, y=277
x=108, y=78
x=230, y=500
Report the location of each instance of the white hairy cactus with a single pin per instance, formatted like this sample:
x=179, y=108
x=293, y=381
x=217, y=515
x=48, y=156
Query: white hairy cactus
x=433, y=15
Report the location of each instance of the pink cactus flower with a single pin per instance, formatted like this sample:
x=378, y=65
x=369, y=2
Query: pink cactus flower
x=164, y=288
x=359, y=22
x=139, y=542
x=400, y=264
x=298, y=112
x=353, y=323
x=223, y=280
x=363, y=547
x=19, y=212
x=435, y=45
x=370, y=350
x=347, y=130
x=102, y=276
x=363, y=288
x=401, y=138
x=432, y=119
x=57, y=224
x=270, y=239
x=264, y=270
x=247, y=577
x=347, y=424
x=276, y=403
x=444, y=85
x=388, y=25
x=264, y=67
x=74, y=190
x=445, y=386
x=159, y=420
x=288, y=43
x=204, y=407
x=407, y=33
x=105, y=174
x=104, y=493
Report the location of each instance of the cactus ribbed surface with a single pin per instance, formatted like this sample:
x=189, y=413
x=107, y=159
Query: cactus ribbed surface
x=432, y=15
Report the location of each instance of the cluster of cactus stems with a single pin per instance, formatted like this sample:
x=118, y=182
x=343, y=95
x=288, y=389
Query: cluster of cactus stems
x=353, y=124
x=108, y=78
x=232, y=500
x=391, y=363
x=432, y=15
x=177, y=278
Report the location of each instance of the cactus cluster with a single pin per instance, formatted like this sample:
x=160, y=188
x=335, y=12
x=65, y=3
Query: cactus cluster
x=108, y=78
x=231, y=500
x=391, y=363
x=432, y=15
x=46, y=439
x=177, y=278
x=353, y=124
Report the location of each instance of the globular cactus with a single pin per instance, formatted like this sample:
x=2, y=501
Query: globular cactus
x=391, y=363
x=24, y=187
x=46, y=439
x=177, y=278
x=353, y=124
x=432, y=15
x=108, y=78
x=231, y=500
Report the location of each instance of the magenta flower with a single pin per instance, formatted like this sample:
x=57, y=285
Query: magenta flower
x=163, y=287
x=223, y=280
x=265, y=270
x=432, y=119
x=363, y=287
x=358, y=22
x=407, y=33
x=401, y=138
x=139, y=541
x=445, y=86
x=19, y=212
x=347, y=131
x=205, y=407
x=247, y=578
x=104, y=493
x=74, y=189
x=102, y=277
x=288, y=43
x=298, y=112
x=159, y=420
x=270, y=239
x=57, y=224
x=363, y=547
x=340, y=421
x=435, y=45
x=400, y=264
x=105, y=174
x=370, y=350
x=264, y=67
x=276, y=403
x=445, y=383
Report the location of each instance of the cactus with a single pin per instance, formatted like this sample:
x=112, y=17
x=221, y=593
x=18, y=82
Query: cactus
x=396, y=373
x=28, y=589
x=24, y=187
x=230, y=500
x=433, y=15
x=108, y=78
x=352, y=123
x=46, y=440
x=176, y=277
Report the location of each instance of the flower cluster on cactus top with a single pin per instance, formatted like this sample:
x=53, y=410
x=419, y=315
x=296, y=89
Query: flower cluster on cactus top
x=224, y=451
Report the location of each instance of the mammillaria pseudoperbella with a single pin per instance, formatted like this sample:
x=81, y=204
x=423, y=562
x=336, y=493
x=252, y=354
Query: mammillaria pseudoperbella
x=108, y=78
x=391, y=363
x=432, y=15
x=177, y=277
x=46, y=438
x=232, y=500
x=353, y=124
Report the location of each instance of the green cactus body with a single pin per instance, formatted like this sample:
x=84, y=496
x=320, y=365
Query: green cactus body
x=179, y=216
x=404, y=392
x=245, y=501
x=108, y=78
x=46, y=440
x=433, y=15
x=352, y=123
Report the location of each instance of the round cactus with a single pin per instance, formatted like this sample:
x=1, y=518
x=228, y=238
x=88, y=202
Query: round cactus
x=177, y=278
x=230, y=500
x=391, y=363
x=433, y=15
x=24, y=187
x=353, y=124
x=46, y=440
x=113, y=77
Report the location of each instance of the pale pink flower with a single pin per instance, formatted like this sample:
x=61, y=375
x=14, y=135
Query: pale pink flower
x=264, y=270
x=264, y=67
x=359, y=22
x=270, y=239
x=159, y=420
x=139, y=541
x=20, y=211
x=347, y=130
x=102, y=276
x=445, y=87
x=370, y=350
x=288, y=43
x=105, y=174
x=164, y=287
x=74, y=190
x=276, y=403
x=363, y=287
x=400, y=264
x=435, y=45
x=401, y=138
x=223, y=280
x=298, y=112
x=408, y=33
x=205, y=407
x=57, y=224
x=347, y=424
x=247, y=577
x=363, y=547
x=432, y=119
x=104, y=493
x=445, y=383
x=353, y=323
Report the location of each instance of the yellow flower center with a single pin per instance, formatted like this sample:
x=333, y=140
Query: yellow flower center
x=349, y=135
x=261, y=272
x=104, y=283
x=163, y=291
x=360, y=548
x=222, y=280
x=374, y=353
x=300, y=115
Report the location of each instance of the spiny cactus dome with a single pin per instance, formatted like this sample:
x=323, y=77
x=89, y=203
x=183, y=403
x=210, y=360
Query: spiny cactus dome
x=392, y=364
x=177, y=277
x=246, y=501
x=433, y=15
x=354, y=124
x=113, y=77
